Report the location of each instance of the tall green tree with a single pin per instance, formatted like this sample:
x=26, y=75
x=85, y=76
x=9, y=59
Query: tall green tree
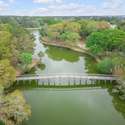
x=70, y=37
x=5, y=43
x=105, y=66
x=106, y=40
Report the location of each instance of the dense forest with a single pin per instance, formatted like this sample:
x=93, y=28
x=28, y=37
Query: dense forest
x=16, y=48
x=102, y=37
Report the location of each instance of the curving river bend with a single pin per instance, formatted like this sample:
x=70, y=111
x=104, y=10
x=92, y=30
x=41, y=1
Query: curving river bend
x=83, y=106
x=58, y=60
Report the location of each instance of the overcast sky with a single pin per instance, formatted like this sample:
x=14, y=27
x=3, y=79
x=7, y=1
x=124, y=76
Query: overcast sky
x=62, y=7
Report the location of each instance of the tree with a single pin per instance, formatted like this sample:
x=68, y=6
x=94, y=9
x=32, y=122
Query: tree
x=5, y=42
x=13, y=108
x=105, y=66
x=26, y=58
x=72, y=27
x=44, y=30
x=13, y=41
x=59, y=27
x=7, y=73
x=121, y=24
x=106, y=40
x=70, y=37
x=90, y=26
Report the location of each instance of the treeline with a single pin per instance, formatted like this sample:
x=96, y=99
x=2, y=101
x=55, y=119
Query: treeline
x=16, y=48
x=33, y=22
x=29, y=22
x=72, y=31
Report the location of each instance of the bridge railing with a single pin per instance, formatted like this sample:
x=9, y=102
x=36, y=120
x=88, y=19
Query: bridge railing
x=67, y=78
x=68, y=74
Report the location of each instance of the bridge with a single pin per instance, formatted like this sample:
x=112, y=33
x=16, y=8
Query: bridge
x=67, y=79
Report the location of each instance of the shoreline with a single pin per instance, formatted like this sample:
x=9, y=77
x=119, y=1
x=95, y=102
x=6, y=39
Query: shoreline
x=34, y=63
x=71, y=47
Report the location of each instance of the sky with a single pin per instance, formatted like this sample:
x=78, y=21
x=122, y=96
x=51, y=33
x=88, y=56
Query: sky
x=62, y=7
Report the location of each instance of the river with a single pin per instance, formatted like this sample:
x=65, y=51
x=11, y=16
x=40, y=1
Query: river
x=68, y=106
x=58, y=60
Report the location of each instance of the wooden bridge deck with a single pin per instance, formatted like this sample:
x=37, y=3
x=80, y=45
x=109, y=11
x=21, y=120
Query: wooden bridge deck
x=67, y=76
x=66, y=79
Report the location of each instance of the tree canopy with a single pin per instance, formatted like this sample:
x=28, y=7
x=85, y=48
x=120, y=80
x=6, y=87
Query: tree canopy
x=14, y=40
x=70, y=37
x=105, y=66
x=106, y=40
x=7, y=73
x=13, y=108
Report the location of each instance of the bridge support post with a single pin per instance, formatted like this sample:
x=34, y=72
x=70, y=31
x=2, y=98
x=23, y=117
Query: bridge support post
x=54, y=82
x=69, y=82
x=48, y=82
x=37, y=81
x=80, y=81
x=42, y=82
x=74, y=81
x=60, y=81
x=86, y=82
x=23, y=81
x=17, y=82
x=97, y=82
x=29, y=81
x=105, y=82
x=91, y=82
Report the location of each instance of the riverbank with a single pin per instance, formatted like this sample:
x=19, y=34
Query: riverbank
x=35, y=62
x=119, y=89
x=79, y=49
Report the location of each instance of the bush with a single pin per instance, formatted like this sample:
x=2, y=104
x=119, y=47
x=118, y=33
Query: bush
x=105, y=66
x=26, y=58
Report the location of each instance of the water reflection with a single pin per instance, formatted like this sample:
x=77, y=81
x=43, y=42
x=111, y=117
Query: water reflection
x=118, y=103
x=113, y=105
x=72, y=106
x=60, y=54
x=90, y=65
x=57, y=60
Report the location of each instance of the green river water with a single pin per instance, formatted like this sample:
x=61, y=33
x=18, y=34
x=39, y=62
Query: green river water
x=68, y=106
